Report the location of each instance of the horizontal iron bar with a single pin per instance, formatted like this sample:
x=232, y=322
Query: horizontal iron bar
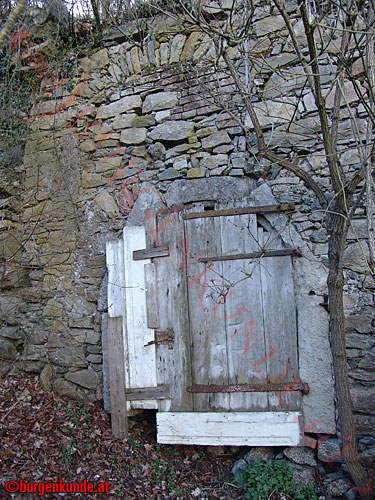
x=282, y=207
x=150, y=253
x=291, y=386
x=254, y=255
x=159, y=392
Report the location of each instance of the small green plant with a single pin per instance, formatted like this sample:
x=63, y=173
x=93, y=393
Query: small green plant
x=67, y=452
x=267, y=480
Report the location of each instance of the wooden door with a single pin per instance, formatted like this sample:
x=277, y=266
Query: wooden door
x=232, y=316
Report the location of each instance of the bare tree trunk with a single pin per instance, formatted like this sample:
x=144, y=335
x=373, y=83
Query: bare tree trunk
x=95, y=9
x=337, y=239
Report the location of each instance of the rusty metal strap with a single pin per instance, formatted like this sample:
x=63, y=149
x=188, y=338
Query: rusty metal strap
x=254, y=255
x=291, y=386
x=163, y=337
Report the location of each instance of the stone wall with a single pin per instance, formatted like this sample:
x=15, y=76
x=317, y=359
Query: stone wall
x=143, y=118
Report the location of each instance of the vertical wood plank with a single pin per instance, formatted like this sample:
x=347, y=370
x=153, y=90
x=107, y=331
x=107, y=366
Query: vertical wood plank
x=116, y=295
x=206, y=289
x=116, y=285
x=141, y=357
x=117, y=377
x=243, y=311
x=151, y=229
x=152, y=302
x=173, y=365
x=279, y=323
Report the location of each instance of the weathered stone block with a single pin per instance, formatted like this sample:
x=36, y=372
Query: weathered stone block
x=88, y=146
x=95, y=358
x=162, y=116
x=107, y=203
x=214, y=161
x=216, y=139
x=272, y=113
x=363, y=399
x=66, y=388
x=269, y=24
x=108, y=164
x=92, y=180
x=180, y=163
x=124, y=121
x=190, y=45
x=46, y=377
x=69, y=356
x=7, y=349
x=98, y=60
x=358, y=341
x=301, y=455
x=206, y=131
x=144, y=121
x=368, y=362
x=133, y=136
x=92, y=337
x=365, y=424
x=176, y=48
x=116, y=108
x=86, y=378
x=329, y=450
x=172, y=131
x=11, y=332
x=53, y=308
x=195, y=173
x=157, y=151
x=169, y=174
x=223, y=188
x=356, y=257
x=161, y=100
x=134, y=56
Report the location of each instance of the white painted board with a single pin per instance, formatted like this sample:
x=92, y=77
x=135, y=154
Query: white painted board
x=230, y=428
x=141, y=358
x=116, y=286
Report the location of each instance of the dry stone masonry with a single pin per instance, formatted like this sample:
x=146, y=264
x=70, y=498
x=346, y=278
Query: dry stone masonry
x=143, y=119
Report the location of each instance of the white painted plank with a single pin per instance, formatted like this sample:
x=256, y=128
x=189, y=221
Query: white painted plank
x=141, y=358
x=116, y=294
x=230, y=428
x=116, y=286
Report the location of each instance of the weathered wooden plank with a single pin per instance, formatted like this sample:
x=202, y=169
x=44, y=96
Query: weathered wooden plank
x=279, y=324
x=152, y=303
x=173, y=365
x=243, y=311
x=116, y=284
x=116, y=297
x=206, y=291
x=150, y=253
x=283, y=207
x=253, y=255
x=141, y=357
x=159, y=392
x=150, y=227
x=230, y=428
x=117, y=377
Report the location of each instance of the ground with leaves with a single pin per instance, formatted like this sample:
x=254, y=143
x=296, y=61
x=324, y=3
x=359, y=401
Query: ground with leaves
x=45, y=438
